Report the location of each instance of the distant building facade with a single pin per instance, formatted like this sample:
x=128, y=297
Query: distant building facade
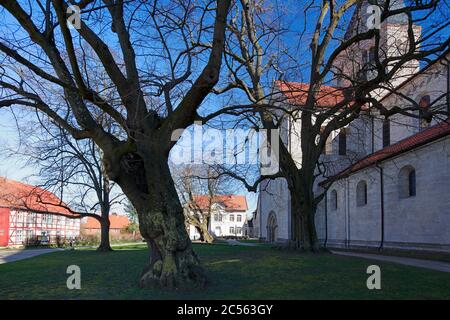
x=30, y=215
x=118, y=224
x=228, y=215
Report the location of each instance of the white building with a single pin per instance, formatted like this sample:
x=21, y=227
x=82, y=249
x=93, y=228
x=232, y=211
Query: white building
x=391, y=177
x=228, y=215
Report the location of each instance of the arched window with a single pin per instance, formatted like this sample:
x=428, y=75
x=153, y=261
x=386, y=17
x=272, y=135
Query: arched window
x=425, y=102
x=333, y=200
x=407, y=182
x=424, y=117
x=361, y=193
x=386, y=133
x=342, y=142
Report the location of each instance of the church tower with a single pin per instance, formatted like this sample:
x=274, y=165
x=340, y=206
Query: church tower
x=358, y=62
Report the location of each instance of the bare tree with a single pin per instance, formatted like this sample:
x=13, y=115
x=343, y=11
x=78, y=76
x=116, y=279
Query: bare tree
x=199, y=187
x=252, y=61
x=73, y=169
x=157, y=86
x=189, y=187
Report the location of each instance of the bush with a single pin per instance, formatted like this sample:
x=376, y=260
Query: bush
x=88, y=240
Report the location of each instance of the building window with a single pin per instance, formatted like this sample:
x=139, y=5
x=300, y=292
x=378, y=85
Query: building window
x=231, y=217
x=31, y=219
x=407, y=182
x=334, y=200
x=232, y=230
x=19, y=236
x=386, y=133
x=361, y=193
x=372, y=54
x=218, y=217
x=21, y=217
x=412, y=183
x=424, y=116
x=29, y=234
x=343, y=142
x=368, y=65
x=239, y=218
x=238, y=230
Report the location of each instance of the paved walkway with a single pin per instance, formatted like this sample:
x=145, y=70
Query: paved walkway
x=420, y=263
x=15, y=255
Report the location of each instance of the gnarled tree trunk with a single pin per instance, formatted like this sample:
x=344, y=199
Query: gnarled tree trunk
x=147, y=182
x=303, y=209
x=308, y=228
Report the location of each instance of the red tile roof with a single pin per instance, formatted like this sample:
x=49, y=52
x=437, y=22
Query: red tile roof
x=230, y=202
x=297, y=93
x=428, y=135
x=17, y=195
x=116, y=222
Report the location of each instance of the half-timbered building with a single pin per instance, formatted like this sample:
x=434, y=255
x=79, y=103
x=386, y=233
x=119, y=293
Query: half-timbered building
x=33, y=215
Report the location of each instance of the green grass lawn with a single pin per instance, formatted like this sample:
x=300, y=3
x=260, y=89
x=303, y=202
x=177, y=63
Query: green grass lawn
x=235, y=272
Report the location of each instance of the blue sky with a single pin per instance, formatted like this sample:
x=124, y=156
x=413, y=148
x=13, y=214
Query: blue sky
x=11, y=167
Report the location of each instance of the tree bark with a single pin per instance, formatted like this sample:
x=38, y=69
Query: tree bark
x=202, y=239
x=303, y=219
x=147, y=182
x=207, y=237
x=105, y=245
x=308, y=228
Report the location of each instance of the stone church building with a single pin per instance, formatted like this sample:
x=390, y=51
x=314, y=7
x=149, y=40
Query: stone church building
x=388, y=181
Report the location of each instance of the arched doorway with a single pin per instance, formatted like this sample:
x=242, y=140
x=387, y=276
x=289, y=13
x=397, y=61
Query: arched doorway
x=272, y=227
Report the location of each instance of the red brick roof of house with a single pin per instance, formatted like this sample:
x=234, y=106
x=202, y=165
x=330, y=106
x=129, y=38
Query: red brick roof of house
x=116, y=222
x=18, y=195
x=428, y=135
x=230, y=202
x=297, y=93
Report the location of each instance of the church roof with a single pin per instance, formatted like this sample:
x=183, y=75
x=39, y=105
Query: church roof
x=296, y=93
x=428, y=135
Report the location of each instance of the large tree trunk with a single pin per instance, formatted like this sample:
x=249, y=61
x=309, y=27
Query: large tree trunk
x=172, y=262
x=308, y=228
x=303, y=213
